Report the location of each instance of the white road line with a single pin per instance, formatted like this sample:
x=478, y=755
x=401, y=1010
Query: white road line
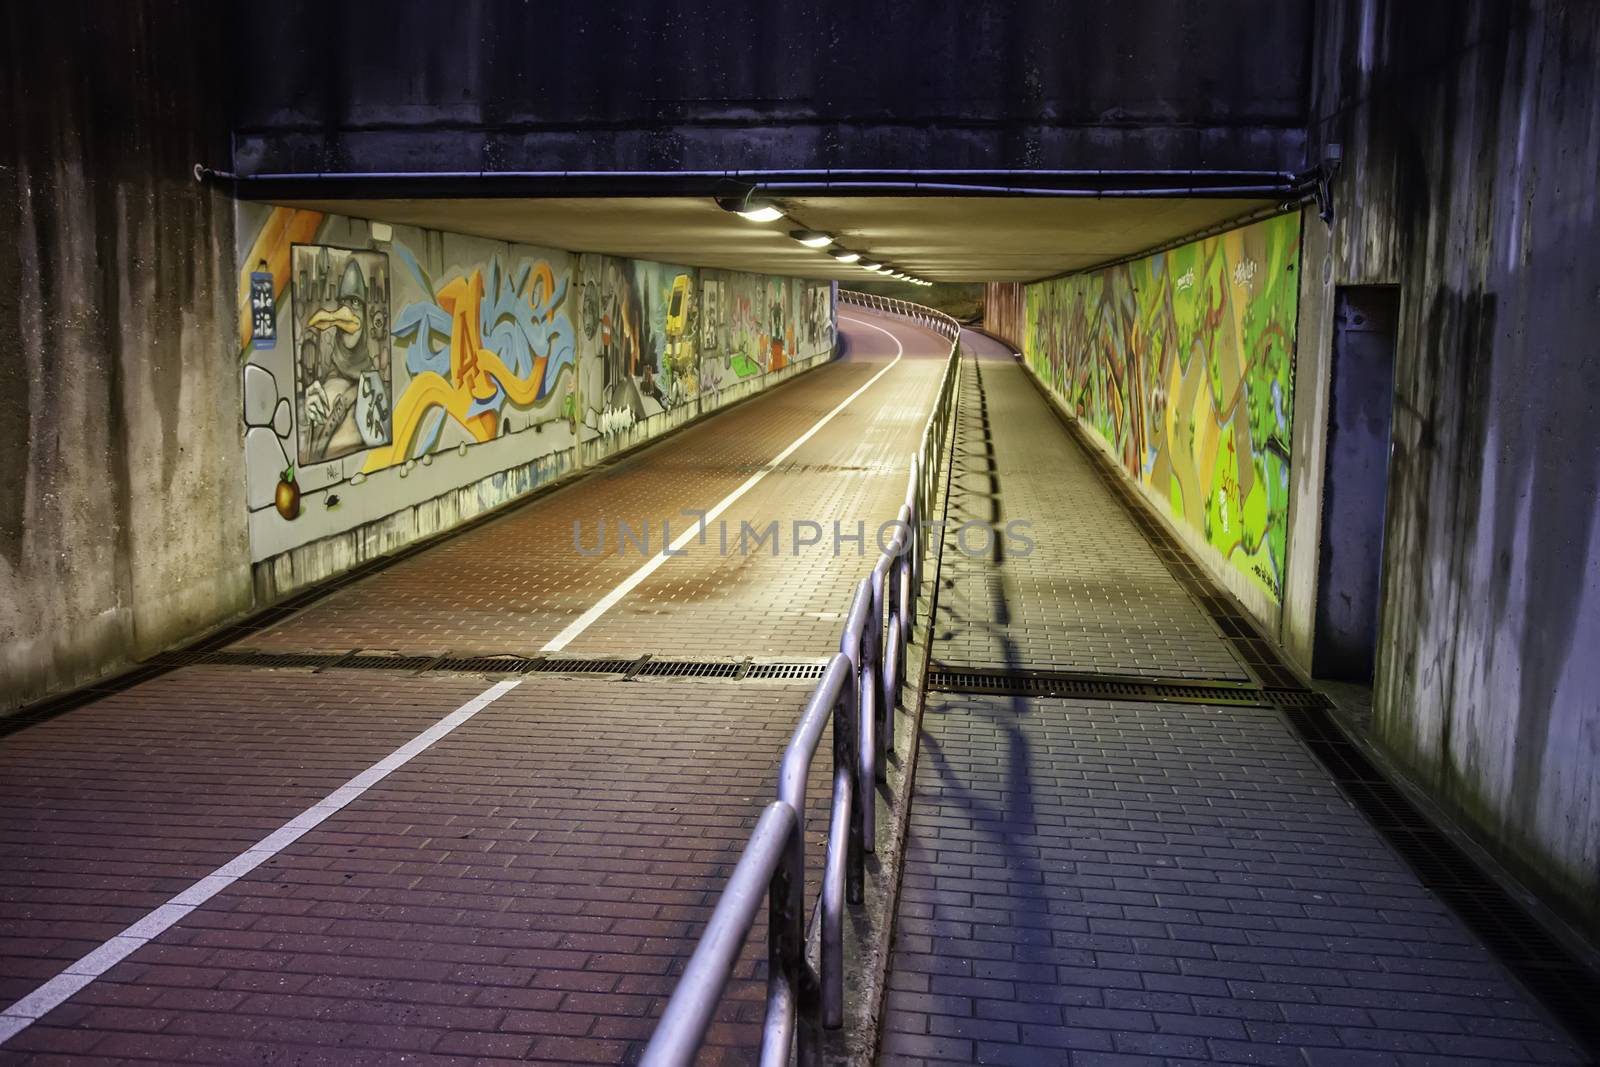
x=628, y=584
x=27, y=1011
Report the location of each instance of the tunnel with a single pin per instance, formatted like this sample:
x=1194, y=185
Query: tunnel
x=700, y=533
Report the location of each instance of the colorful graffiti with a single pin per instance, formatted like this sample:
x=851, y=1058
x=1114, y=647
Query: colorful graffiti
x=475, y=347
x=341, y=345
x=639, y=341
x=1183, y=362
x=385, y=367
x=751, y=325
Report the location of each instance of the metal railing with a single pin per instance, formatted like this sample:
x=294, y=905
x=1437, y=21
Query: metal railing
x=858, y=694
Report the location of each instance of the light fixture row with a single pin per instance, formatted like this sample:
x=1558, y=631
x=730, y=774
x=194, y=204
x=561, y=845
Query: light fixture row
x=758, y=210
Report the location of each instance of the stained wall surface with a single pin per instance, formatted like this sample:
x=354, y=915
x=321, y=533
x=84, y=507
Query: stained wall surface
x=1471, y=134
x=565, y=85
x=121, y=506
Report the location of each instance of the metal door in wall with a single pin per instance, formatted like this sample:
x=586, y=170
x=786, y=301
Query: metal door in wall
x=1356, y=487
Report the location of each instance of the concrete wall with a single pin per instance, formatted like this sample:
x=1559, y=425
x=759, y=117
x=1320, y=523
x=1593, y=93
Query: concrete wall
x=121, y=510
x=1471, y=132
x=409, y=85
x=1003, y=311
x=399, y=380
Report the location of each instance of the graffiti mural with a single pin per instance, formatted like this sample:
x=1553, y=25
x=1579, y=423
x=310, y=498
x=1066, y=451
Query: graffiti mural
x=341, y=345
x=480, y=346
x=817, y=301
x=640, y=340
x=387, y=367
x=1183, y=363
x=670, y=364
x=752, y=325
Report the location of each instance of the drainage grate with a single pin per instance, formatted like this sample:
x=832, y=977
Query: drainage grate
x=1090, y=687
x=483, y=664
x=1296, y=698
x=275, y=660
x=496, y=663
x=790, y=672
x=681, y=668
x=180, y=659
x=580, y=666
x=384, y=663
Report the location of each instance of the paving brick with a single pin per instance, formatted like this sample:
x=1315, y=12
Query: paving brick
x=1222, y=900
x=509, y=585
x=529, y=887
x=1091, y=595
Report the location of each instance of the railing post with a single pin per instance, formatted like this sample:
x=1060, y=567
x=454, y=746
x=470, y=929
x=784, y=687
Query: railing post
x=844, y=869
x=847, y=747
x=837, y=879
x=917, y=514
x=858, y=644
x=877, y=654
x=907, y=598
x=792, y=999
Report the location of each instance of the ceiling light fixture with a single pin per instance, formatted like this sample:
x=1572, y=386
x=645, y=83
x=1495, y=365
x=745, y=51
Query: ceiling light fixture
x=845, y=257
x=748, y=207
x=867, y=264
x=812, y=238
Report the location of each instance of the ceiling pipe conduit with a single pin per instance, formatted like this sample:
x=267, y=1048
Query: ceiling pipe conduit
x=1021, y=183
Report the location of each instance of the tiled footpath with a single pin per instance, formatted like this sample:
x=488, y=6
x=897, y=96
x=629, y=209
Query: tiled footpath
x=525, y=889
x=1089, y=594
x=512, y=584
x=1101, y=883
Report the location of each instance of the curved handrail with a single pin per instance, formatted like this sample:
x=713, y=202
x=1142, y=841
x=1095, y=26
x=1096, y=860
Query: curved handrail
x=858, y=693
x=936, y=320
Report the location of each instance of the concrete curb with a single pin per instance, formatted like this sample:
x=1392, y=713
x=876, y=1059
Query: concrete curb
x=869, y=930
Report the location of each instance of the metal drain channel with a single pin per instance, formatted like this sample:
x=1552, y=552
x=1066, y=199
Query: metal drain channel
x=645, y=666
x=1116, y=687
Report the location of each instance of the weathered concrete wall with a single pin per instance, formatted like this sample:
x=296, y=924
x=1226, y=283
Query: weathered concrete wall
x=1471, y=132
x=121, y=506
x=1003, y=308
x=409, y=85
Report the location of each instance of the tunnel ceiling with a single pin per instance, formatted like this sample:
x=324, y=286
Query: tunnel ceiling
x=966, y=238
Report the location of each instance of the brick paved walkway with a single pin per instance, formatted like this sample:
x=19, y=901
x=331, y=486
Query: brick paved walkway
x=1091, y=595
x=525, y=889
x=512, y=584
x=1099, y=883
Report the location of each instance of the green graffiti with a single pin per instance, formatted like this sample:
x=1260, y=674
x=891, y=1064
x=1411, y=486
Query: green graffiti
x=1183, y=363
